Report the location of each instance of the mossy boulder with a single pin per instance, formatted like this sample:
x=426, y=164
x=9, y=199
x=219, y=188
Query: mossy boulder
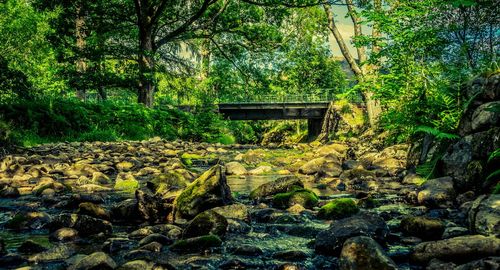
x=208, y=191
x=85, y=225
x=168, y=182
x=303, y=197
x=280, y=185
x=337, y=209
x=208, y=222
x=28, y=220
x=126, y=182
x=423, y=227
x=195, y=244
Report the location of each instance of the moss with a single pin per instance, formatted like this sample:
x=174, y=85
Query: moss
x=128, y=185
x=337, y=209
x=169, y=180
x=197, y=243
x=304, y=197
x=264, y=163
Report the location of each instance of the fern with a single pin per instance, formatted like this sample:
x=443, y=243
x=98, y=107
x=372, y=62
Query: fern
x=436, y=133
x=494, y=154
x=428, y=169
x=494, y=108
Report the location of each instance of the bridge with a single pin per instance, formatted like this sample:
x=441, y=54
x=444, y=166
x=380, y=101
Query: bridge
x=312, y=108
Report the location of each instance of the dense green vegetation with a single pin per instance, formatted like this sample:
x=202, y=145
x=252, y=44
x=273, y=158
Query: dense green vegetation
x=110, y=70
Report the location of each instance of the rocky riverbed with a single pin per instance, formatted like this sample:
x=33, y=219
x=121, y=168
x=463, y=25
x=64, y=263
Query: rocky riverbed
x=176, y=205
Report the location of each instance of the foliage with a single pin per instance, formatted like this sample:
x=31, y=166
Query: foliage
x=494, y=176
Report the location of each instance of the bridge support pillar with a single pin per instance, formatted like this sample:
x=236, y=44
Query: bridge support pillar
x=313, y=128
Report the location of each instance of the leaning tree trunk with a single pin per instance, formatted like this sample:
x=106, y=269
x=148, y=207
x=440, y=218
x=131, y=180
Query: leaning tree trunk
x=146, y=67
x=330, y=123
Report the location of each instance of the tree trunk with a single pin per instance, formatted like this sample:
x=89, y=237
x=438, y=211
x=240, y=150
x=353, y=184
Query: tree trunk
x=81, y=65
x=356, y=21
x=373, y=108
x=340, y=41
x=146, y=67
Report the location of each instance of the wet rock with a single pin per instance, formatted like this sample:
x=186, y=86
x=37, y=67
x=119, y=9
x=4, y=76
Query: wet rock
x=235, y=168
x=304, y=197
x=29, y=220
x=56, y=253
x=247, y=250
x=125, y=210
x=357, y=173
x=338, y=209
x=437, y=192
x=332, y=149
x=486, y=263
x=124, y=166
x=9, y=192
x=436, y=264
x=457, y=249
x=96, y=260
x=208, y=191
x=156, y=237
x=330, y=241
x=153, y=247
x=451, y=232
x=232, y=264
x=30, y=247
x=296, y=209
x=143, y=265
x=85, y=225
x=199, y=243
x=290, y=255
x=236, y=211
x=280, y=185
x=93, y=210
x=484, y=215
x=362, y=252
x=151, y=207
x=168, y=182
x=114, y=245
x=288, y=266
x=413, y=179
x=208, y=222
x=64, y=235
x=423, y=227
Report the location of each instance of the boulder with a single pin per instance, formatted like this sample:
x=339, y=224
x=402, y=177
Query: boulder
x=330, y=241
x=30, y=247
x=96, y=260
x=64, y=235
x=363, y=253
x=486, y=263
x=93, y=210
x=280, y=185
x=338, y=209
x=236, y=211
x=56, y=253
x=423, y=227
x=457, y=249
x=126, y=182
x=151, y=207
x=330, y=165
x=438, y=192
x=85, y=225
x=235, y=168
x=28, y=220
x=484, y=215
x=208, y=191
x=208, y=222
x=303, y=197
x=260, y=170
x=465, y=159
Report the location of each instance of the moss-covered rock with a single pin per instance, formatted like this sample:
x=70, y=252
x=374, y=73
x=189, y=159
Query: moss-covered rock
x=280, y=185
x=126, y=182
x=196, y=243
x=337, y=209
x=169, y=181
x=90, y=209
x=423, y=227
x=208, y=191
x=208, y=222
x=303, y=197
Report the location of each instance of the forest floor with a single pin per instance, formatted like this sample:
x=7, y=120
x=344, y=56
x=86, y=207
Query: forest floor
x=138, y=205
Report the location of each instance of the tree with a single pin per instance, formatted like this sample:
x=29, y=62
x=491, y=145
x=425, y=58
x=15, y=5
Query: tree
x=359, y=67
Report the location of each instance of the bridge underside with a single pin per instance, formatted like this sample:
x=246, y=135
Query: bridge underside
x=313, y=112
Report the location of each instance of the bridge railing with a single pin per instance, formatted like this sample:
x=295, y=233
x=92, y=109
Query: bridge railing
x=308, y=98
